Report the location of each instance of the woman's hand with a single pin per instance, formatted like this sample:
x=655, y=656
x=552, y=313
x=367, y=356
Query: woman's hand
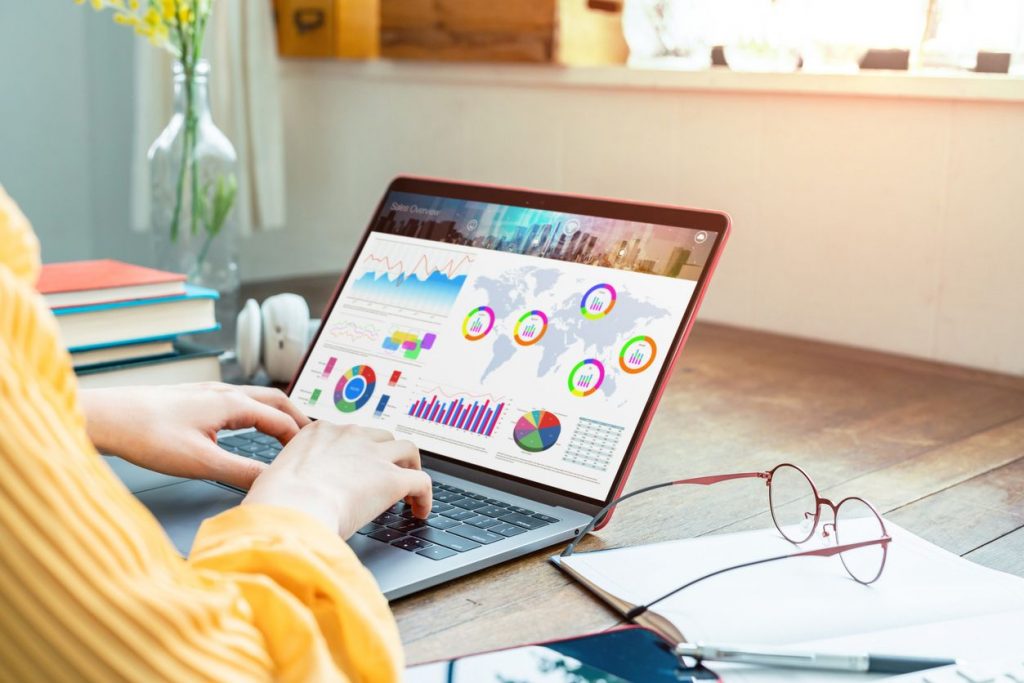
x=173, y=429
x=344, y=476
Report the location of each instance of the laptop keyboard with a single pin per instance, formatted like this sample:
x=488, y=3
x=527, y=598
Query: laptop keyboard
x=459, y=521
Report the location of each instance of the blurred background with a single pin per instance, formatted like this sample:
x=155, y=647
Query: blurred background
x=869, y=151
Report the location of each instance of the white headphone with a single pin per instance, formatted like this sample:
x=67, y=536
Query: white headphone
x=276, y=333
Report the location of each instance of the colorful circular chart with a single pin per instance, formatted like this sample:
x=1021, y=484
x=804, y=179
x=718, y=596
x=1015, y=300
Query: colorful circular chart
x=598, y=301
x=637, y=354
x=586, y=377
x=354, y=388
x=530, y=328
x=537, y=431
x=478, y=323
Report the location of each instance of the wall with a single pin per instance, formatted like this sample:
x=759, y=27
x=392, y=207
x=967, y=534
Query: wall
x=44, y=137
x=65, y=127
x=861, y=216
x=885, y=222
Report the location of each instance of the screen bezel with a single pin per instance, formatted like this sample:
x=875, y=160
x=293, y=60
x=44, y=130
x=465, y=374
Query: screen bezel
x=716, y=222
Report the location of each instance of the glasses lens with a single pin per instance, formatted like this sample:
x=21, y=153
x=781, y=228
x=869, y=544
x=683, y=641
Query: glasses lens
x=793, y=502
x=856, y=522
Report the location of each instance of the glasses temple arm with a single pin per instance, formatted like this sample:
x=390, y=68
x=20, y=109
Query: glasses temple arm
x=819, y=552
x=700, y=481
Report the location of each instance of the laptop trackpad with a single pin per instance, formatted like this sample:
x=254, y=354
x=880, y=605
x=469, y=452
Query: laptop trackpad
x=181, y=508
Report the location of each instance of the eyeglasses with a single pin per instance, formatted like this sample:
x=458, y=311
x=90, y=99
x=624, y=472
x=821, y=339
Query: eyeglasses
x=861, y=540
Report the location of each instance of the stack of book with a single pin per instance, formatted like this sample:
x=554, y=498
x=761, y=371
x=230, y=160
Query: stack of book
x=123, y=323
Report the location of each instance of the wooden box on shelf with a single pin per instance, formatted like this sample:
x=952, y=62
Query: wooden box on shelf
x=539, y=31
x=348, y=29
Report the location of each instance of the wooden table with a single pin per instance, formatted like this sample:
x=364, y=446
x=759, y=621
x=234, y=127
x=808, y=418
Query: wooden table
x=938, y=449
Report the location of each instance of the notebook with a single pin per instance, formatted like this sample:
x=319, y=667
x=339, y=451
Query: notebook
x=928, y=602
x=85, y=283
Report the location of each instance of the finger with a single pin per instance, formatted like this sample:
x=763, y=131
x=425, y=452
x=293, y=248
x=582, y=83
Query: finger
x=248, y=412
x=233, y=470
x=418, y=491
x=403, y=453
x=275, y=398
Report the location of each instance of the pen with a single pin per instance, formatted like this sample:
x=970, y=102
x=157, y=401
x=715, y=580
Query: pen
x=809, y=660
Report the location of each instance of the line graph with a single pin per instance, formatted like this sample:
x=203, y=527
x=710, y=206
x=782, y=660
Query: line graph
x=423, y=266
x=410, y=275
x=355, y=331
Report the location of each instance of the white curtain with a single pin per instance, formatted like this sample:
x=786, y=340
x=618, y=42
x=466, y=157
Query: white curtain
x=246, y=105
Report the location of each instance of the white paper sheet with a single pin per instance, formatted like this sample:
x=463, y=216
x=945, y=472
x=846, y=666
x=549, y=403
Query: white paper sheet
x=928, y=602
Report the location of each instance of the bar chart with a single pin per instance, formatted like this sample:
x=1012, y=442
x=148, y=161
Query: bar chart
x=476, y=417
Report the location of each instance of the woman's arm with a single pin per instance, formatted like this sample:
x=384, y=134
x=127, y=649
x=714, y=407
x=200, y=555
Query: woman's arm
x=173, y=429
x=90, y=587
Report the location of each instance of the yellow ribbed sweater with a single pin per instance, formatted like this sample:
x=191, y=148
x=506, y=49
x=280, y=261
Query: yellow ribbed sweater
x=91, y=588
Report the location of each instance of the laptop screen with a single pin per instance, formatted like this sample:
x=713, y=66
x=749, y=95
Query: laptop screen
x=517, y=340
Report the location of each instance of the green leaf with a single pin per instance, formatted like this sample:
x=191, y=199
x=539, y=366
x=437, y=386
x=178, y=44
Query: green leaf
x=223, y=199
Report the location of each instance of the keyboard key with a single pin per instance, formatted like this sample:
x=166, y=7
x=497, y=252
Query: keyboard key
x=446, y=496
x=524, y=521
x=491, y=511
x=407, y=513
x=267, y=454
x=370, y=528
x=233, y=441
x=266, y=440
x=468, y=503
x=522, y=511
x=251, y=447
x=436, y=552
x=386, y=518
x=545, y=518
x=386, y=535
x=474, y=534
x=459, y=514
x=495, y=501
x=482, y=522
x=411, y=544
x=475, y=496
x=441, y=507
x=407, y=525
x=397, y=508
x=440, y=522
x=446, y=539
x=443, y=487
x=456, y=489
x=506, y=529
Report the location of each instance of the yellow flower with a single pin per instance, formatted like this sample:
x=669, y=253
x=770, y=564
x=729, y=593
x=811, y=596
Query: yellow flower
x=126, y=19
x=133, y=5
x=151, y=17
x=97, y=5
x=167, y=10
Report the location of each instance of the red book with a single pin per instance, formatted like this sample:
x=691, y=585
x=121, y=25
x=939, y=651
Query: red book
x=88, y=283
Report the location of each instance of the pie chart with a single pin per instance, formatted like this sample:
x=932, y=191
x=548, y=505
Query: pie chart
x=537, y=431
x=354, y=388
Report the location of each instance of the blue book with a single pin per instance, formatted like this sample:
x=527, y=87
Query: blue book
x=85, y=328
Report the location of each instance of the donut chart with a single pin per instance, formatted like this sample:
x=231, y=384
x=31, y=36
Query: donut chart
x=537, y=431
x=355, y=388
x=478, y=323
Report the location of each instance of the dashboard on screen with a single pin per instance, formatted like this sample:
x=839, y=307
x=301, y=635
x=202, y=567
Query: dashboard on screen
x=519, y=340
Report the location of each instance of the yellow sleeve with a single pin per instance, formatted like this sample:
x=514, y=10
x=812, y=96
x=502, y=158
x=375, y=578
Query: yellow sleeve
x=90, y=587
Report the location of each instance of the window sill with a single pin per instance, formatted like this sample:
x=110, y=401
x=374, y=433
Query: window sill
x=890, y=84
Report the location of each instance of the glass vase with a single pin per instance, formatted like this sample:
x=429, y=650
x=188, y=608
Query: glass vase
x=193, y=175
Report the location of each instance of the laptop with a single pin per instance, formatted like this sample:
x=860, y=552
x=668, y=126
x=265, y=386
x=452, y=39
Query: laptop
x=520, y=339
